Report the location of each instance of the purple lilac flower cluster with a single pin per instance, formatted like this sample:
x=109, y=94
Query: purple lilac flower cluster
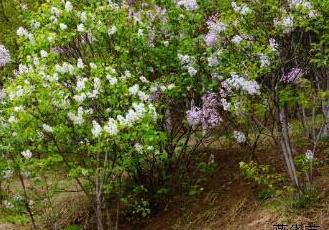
x=208, y=115
x=214, y=27
x=4, y=56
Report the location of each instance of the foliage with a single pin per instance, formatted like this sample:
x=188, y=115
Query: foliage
x=121, y=95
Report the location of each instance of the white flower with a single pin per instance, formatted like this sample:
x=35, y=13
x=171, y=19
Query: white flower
x=83, y=17
x=309, y=155
x=80, y=64
x=27, y=154
x=47, y=128
x=97, y=129
x=81, y=83
x=62, y=26
x=112, y=30
x=22, y=32
x=264, y=60
x=138, y=147
x=243, y=9
x=140, y=32
x=81, y=28
x=35, y=24
x=133, y=90
x=251, y=87
x=68, y=6
x=80, y=98
x=36, y=61
x=192, y=71
x=97, y=83
x=112, y=80
x=142, y=96
x=237, y=39
x=184, y=59
x=43, y=53
x=111, y=127
x=240, y=137
x=127, y=74
x=92, y=65
x=143, y=79
x=212, y=61
x=188, y=4
x=288, y=21
x=55, y=11
x=12, y=119
x=77, y=119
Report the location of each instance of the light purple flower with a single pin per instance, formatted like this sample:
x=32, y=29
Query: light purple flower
x=208, y=116
x=194, y=116
x=210, y=39
x=214, y=27
x=4, y=56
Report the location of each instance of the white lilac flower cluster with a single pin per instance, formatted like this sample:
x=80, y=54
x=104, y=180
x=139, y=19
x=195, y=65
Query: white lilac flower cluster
x=22, y=32
x=47, y=128
x=240, y=137
x=187, y=63
x=188, y=4
x=240, y=83
x=64, y=68
x=237, y=39
x=286, y=23
x=305, y=5
x=27, y=154
x=77, y=119
x=134, y=114
x=135, y=91
x=4, y=56
x=214, y=28
x=242, y=9
x=264, y=60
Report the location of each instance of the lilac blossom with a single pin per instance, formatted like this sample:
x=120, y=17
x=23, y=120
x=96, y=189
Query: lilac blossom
x=194, y=116
x=210, y=39
x=4, y=56
x=237, y=39
x=243, y=9
x=240, y=83
x=214, y=27
x=208, y=115
x=188, y=4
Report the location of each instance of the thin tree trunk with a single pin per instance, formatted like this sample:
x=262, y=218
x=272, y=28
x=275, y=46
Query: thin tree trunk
x=98, y=198
x=286, y=146
x=26, y=202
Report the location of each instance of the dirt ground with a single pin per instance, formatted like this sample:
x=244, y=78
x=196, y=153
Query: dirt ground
x=230, y=202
